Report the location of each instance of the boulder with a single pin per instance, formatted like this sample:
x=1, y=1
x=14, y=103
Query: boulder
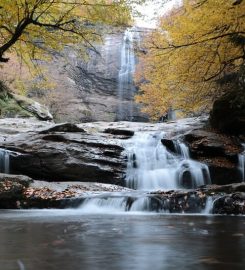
x=232, y=204
x=218, y=151
x=11, y=189
x=64, y=127
x=68, y=156
x=123, y=133
x=170, y=145
x=35, y=108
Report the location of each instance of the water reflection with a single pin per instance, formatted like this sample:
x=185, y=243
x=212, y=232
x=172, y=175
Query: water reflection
x=72, y=242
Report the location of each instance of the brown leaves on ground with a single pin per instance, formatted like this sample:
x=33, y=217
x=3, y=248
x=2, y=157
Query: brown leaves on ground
x=8, y=186
x=49, y=194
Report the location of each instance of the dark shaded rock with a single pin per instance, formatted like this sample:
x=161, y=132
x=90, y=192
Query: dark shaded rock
x=222, y=175
x=228, y=113
x=209, y=144
x=64, y=127
x=123, y=132
x=233, y=204
x=169, y=144
x=218, y=151
x=55, y=138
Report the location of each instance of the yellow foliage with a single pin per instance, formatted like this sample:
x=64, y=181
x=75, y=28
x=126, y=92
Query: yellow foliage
x=193, y=47
x=34, y=29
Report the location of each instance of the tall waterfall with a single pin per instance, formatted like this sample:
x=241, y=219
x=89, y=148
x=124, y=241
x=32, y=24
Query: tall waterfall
x=151, y=166
x=126, y=88
x=241, y=164
x=4, y=161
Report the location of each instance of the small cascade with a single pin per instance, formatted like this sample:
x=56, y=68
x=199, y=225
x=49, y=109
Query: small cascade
x=104, y=205
x=126, y=87
x=241, y=164
x=141, y=204
x=118, y=204
x=182, y=149
x=151, y=166
x=208, y=207
x=4, y=161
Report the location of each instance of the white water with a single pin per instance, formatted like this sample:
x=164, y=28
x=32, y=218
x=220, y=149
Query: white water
x=241, y=164
x=104, y=205
x=126, y=88
x=112, y=204
x=4, y=160
x=152, y=167
x=208, y=207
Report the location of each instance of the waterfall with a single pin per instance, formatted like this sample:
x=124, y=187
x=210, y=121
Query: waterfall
x=4, y=160
x=209, y=206
x=151, y=166
x=182, y=149
x=104, y=205
x=241, y=164
x=116, y=204
x=126, y=88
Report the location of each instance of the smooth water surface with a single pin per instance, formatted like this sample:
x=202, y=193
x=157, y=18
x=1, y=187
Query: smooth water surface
x=69, y=240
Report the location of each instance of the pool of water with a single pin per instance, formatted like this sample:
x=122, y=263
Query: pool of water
x=69, y=240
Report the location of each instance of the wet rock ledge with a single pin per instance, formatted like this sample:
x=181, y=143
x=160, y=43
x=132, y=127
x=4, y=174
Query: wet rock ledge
x=94, y=152
x=22, y=192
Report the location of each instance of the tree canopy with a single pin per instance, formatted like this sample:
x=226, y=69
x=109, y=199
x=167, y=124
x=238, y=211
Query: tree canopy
x=32, y=28
x=195, y=46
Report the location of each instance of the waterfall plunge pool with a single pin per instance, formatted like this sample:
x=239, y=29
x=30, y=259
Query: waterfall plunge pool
x=62, y=239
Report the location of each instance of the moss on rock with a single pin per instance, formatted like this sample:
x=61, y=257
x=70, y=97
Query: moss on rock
x=12, y=105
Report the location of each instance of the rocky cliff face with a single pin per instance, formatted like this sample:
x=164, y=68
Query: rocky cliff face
x=100, y=89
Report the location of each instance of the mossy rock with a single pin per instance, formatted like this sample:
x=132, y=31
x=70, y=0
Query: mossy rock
x=10, y=108
x=33, y=107
x=12, y=105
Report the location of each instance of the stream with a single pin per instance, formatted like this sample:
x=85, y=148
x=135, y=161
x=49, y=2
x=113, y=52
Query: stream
x=67, y=239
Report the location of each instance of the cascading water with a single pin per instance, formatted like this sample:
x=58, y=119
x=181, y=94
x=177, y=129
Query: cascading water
x=110, y=204
x=151, y=166
x=126, y=88
x=209, y=206
x=4, y=160
x=241, y=164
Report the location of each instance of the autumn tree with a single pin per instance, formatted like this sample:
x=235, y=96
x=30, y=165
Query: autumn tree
x=33, y=31
x=35, y=27
x=195, y=47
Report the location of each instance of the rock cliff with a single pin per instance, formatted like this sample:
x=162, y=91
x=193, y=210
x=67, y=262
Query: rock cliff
x=93, y=89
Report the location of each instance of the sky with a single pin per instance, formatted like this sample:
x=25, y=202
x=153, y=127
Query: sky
x=153, y=10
